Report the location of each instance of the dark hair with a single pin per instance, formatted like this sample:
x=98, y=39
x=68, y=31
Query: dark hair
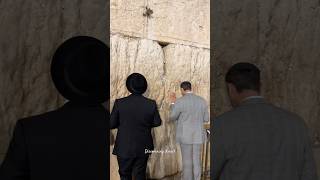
x=244, y=76
x=186, y=85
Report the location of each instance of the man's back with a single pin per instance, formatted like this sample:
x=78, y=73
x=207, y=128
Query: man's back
x=134, y=117
x=69, y=143
x=258, y=141
x=190, y=111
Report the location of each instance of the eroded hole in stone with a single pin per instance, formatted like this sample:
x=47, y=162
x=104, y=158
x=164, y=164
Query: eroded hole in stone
x=163, y=44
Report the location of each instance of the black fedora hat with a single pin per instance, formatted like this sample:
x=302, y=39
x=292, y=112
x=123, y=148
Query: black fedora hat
x=80, y=69
x=136, y=83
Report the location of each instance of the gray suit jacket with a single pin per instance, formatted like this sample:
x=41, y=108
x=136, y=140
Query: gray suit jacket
x=258, y=141
x=190, y=112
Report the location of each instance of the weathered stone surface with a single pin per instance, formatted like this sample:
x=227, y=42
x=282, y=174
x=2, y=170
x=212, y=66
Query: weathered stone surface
x=130, y=55
x=179, y=22
x=30, y=32
x=114, y=174
x=164, y=69
x=184, y=27
x=127, y=17
x=282, y=38
x=186, y=63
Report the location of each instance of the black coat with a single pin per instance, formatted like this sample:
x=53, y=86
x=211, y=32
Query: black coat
x=258, y=141
x=70, y=143
x=134, y=116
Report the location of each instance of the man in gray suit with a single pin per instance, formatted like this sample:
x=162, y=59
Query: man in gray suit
x=189, y=112
x=256, y=140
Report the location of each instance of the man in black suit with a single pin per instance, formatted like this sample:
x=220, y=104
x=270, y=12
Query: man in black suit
x=256, y=140
x=71, y=142
x=134, y=117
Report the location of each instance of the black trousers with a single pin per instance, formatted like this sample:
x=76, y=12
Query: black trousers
x=135, y=167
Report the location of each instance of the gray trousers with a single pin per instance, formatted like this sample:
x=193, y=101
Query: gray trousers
x=191, y=161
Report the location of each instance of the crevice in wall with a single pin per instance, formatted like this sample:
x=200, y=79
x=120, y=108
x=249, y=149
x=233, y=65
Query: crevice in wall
x=163, y=44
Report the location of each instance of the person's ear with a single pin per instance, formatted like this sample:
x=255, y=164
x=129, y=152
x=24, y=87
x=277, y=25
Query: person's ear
x=231, y=89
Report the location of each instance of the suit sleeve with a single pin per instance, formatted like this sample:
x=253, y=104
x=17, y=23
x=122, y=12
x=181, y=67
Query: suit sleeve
x=309, y=167
x=206, y=113
x=156, y=118
x=174, y=112
x=15, y=165
x=114, y=117
x=218, y=151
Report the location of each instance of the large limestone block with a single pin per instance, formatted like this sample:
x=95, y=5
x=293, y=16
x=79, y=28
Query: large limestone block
x=164, y=69
x=30, y=32
x=181, y=22
x=127, y=17
x=187, y=63
x=130, y=55
x=282, y=38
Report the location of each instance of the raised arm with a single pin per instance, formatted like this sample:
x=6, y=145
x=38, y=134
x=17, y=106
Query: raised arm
x=206, y=112
x=174, y=112
x=174, y=108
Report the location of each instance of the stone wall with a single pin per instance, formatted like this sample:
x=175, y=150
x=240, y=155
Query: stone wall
x=29, y=34
x=168, y=42
x=184, y=22
x=280, y=36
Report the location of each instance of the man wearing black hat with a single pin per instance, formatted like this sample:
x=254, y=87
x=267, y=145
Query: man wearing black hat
x=134, y=117
x=69, y=143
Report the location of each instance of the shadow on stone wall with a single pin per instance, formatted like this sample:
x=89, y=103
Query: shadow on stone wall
x=30, y=33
